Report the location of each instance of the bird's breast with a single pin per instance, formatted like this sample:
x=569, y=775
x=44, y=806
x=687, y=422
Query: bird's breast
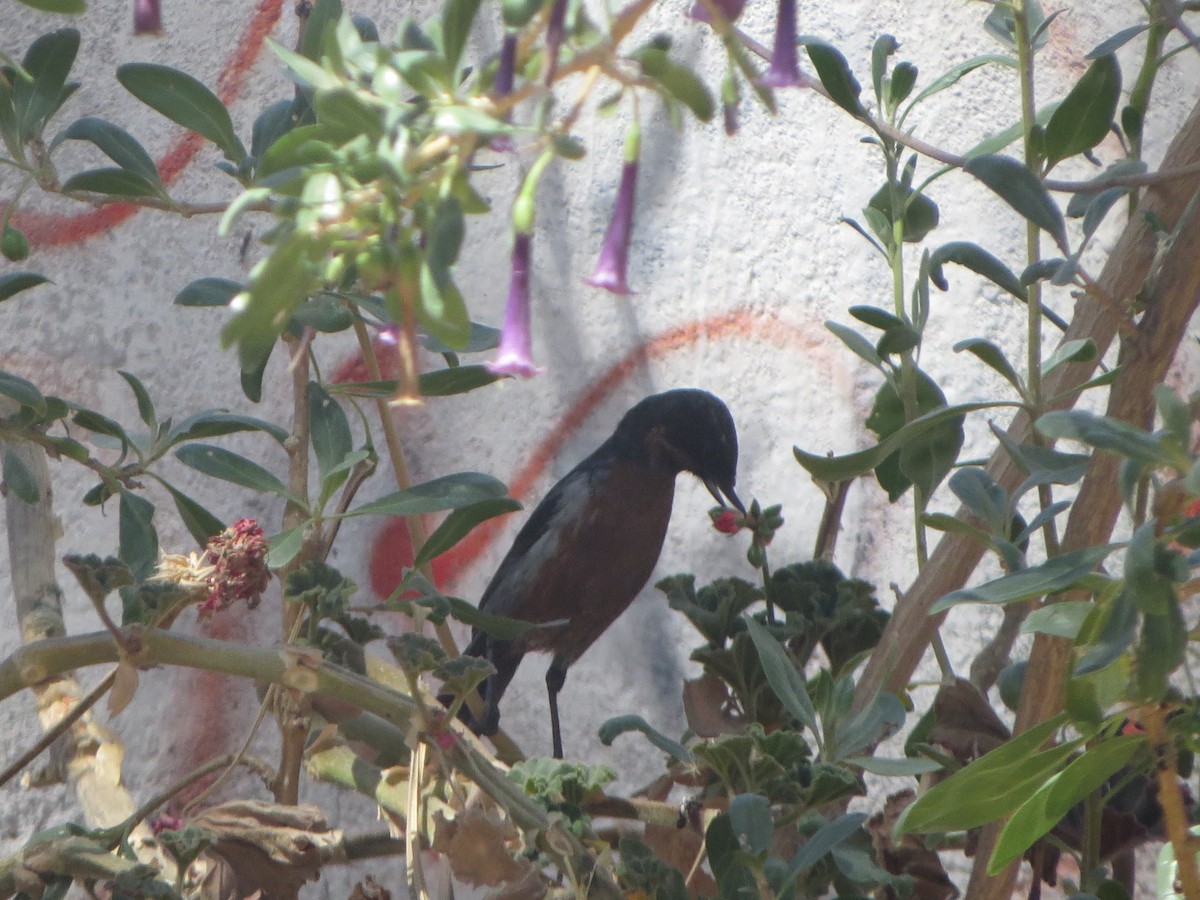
x=595, y=556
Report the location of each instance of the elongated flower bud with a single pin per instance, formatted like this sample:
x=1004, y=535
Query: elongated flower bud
x=730, y=9
x=556, y=33
x=613, y=263
x=502, y=85
x=147, y=18
x=785, y=68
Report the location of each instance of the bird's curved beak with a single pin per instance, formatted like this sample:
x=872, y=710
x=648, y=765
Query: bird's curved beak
x=726, y=496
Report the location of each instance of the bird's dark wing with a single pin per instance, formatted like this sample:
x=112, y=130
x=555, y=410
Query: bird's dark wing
x=539, y=538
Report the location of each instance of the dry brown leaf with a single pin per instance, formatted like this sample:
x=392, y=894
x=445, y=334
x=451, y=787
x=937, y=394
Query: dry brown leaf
x=680, y=847
x=910, y=857
x=370, y=889
x=270, y=848
x=530, y=887
x=967, y=726
x=125, y=685
x=709, y=707
x=477, y=842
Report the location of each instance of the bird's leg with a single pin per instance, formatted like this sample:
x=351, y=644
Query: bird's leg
x=556, y=677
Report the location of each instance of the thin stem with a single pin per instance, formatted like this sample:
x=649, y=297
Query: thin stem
x=1175, y=815
x=292, y=715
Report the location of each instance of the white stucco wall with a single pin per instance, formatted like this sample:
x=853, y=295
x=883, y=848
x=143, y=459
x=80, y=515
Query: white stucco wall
x=745, y=227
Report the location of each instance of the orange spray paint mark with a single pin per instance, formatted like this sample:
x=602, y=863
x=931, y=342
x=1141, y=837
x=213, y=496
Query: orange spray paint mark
x=46, y=230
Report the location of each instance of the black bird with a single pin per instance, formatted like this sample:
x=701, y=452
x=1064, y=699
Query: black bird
x=591, y=544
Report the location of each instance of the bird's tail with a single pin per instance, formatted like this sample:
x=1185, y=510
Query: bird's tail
x=505, y=657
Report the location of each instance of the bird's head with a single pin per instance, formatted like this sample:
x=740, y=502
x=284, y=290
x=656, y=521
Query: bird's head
x=685, y=430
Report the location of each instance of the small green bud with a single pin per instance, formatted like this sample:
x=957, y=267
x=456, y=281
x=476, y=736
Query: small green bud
x=517, y=13
x=14, y=245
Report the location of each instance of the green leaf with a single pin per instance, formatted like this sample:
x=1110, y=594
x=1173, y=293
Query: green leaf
x=867, y=727
x=1061, y=792
x=283, y=547
x=15, y=282
x=100, y=424
x=444, y=237
x=323, y=15
x=834, y=72
x=858, y=344
x=920, y=214
x=456, y=380
x=1105, y=434
x=279, y=284
x=58, y=7
x=782, y=675
x=217, y=422
x=750, y=816
x=1115, y=42
x=185, y=101
x=949, y=523
x=1084, y=117
x=1054, y=575
x=459, y=524
x=144, y=404
x=1116, y=634
x=329, y=429
x=48, y=63
x=885, y=45
x=137, y=537
x=894, y=768
x=226, y=465
x=1062, y=619
x=841, y=468
x=1160, y=653
x=200, y=523
x=1075, y=351
x=677, y=80
x=993, y=357
x=953, y=75
x=904, y=77
x=619, y=725
x=828, y=836
x=924, y=459
x=897, y=341
x=24, y=392
x=457, y=18
x=442, y=311
x=1021, y=189
x=980, y=493
x=117, y=144
x=113, y=182
x=979, y=261
x=876, y=317
x=18, y=478
x=270, y=125
x=447, y=492
x=208, y=292
x=991, y=786
x=500, y=627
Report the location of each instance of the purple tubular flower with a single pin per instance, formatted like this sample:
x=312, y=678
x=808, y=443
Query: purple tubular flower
x=514, y=356
x=730, y=9
x=502, y=85
x=614, y=254
x=556, y=33
x=147, y=18
x=785, y=69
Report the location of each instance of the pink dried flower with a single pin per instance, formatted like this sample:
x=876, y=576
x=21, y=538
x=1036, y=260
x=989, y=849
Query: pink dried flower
x=238, y=556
